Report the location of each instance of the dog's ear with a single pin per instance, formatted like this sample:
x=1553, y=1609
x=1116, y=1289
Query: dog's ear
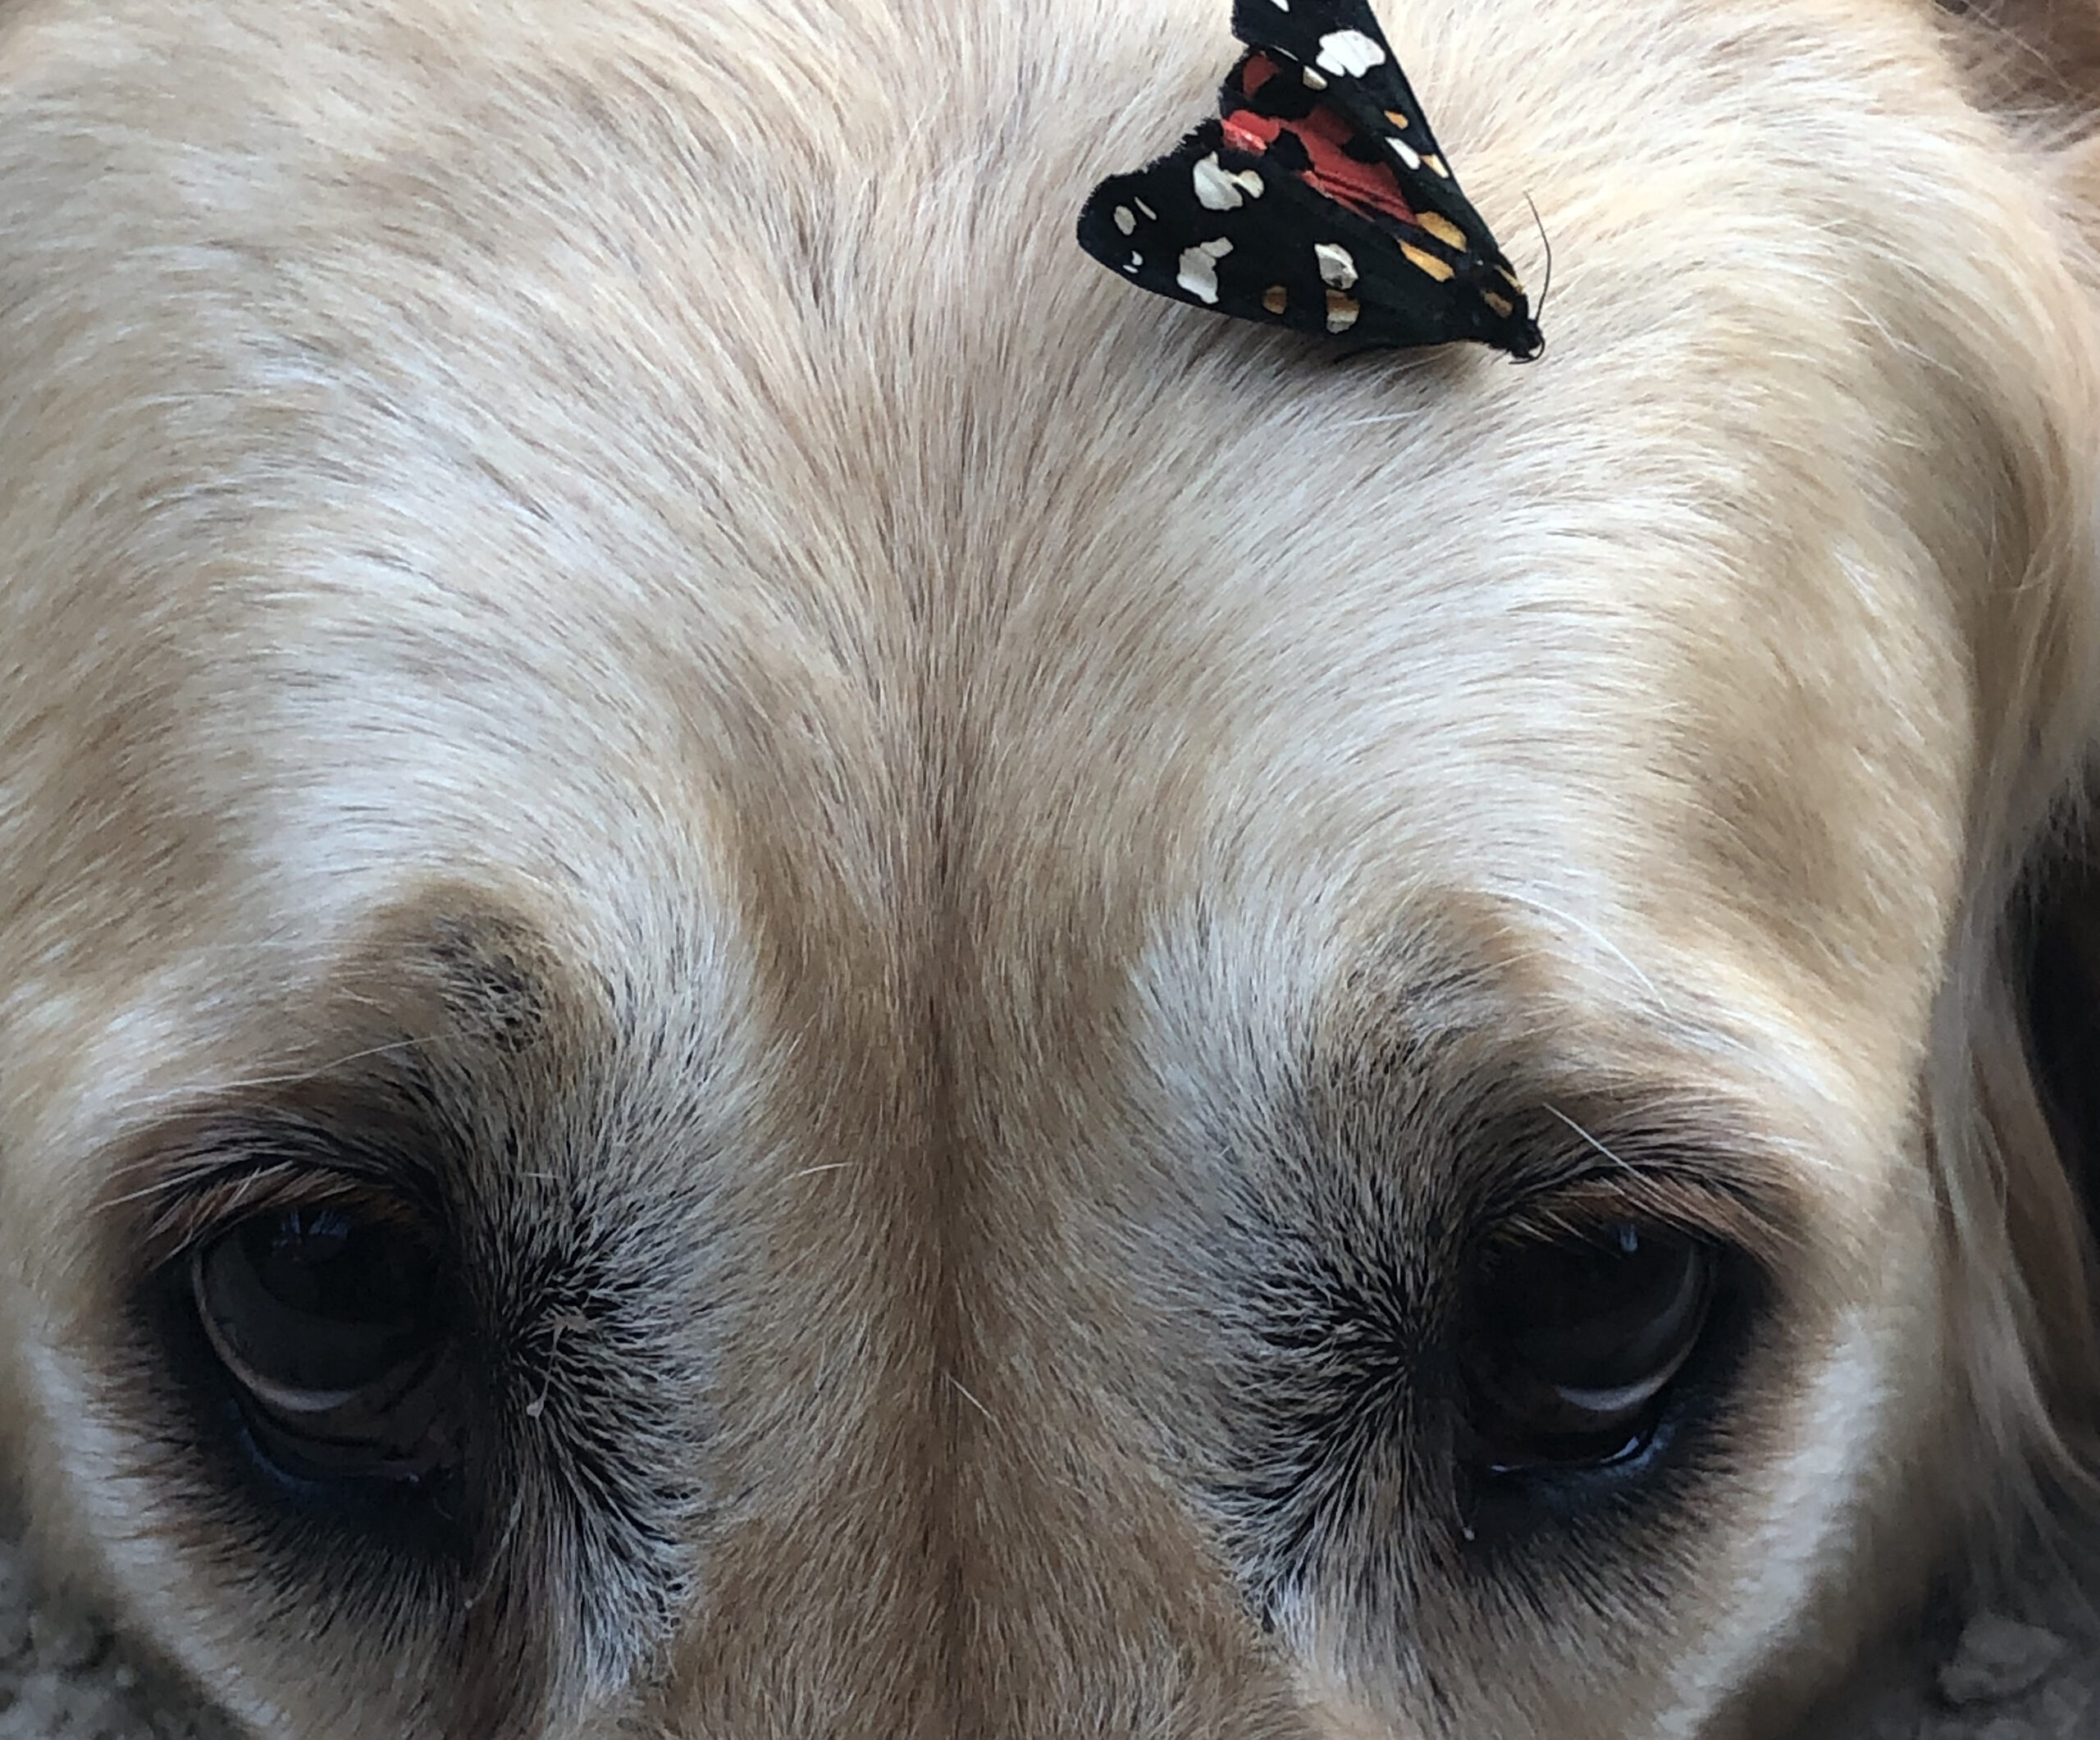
x=2030, y=56
x=2062, y=990
x=2014, y=1091
x=2035, y=64
x=2055, y=976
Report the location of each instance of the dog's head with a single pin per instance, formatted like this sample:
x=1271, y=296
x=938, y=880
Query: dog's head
x=767, y=969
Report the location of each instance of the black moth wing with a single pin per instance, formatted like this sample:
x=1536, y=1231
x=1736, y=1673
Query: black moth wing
x=1334, y=55
x=1380, y=107
x=1284, y=255
x=1333, y=37
x=1150, y=226
x=1445, y=237
x=1317, y=200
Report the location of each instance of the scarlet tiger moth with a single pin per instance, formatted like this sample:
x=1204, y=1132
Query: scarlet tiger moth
x=1317, y=199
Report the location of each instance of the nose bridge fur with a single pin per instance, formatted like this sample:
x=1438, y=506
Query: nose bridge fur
x=916, y=1419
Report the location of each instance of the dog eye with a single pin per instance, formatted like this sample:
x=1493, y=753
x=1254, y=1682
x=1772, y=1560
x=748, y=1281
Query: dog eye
x=328, y=1323
x=1571, y=1344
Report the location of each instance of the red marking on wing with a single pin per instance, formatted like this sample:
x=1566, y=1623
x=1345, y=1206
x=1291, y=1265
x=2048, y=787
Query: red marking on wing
x=1366, y=187
x=1244, y=130
x=1371, y=189
x=1257, y=71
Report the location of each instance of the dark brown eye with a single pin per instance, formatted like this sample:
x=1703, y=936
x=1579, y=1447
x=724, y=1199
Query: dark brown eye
x=1570, y=1344
x=329, y=1323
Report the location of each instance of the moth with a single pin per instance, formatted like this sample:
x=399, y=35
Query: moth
x=1317, y=199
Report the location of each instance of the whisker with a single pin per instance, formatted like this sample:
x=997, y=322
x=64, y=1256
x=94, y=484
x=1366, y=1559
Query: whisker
x=1579, y=1131
x=1599, y=937
x=973, y=1401
x=293, y=1077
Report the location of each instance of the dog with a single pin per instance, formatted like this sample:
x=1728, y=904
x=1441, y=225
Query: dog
x=769, y=967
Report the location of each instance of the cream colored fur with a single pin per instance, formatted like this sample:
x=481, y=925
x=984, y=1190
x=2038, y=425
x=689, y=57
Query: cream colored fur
x=1000, y=773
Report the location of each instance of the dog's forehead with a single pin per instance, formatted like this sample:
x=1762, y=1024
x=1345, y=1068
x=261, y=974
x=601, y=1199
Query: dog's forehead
x=766, y=505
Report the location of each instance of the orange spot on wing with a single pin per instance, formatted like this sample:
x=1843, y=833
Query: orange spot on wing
x=1443, y=229
x=1427, y=262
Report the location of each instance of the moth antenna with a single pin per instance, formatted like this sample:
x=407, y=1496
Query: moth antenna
x=1546, y=287
x=1545, y=241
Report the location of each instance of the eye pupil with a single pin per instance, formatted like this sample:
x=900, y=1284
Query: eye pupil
x=319, y=1263
x=325, y=1321
x=1571, y=1343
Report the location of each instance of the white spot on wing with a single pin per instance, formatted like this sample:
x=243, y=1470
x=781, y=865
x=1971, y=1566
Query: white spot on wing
x=1214, y=188
x=1134, y=262
x=1349, y=54
x=1146, y=209
x=1312, y=79
x=1197, y=268
x=1125, y=221
x=1220, y=189
x=1405, y=153
x=1337, y=264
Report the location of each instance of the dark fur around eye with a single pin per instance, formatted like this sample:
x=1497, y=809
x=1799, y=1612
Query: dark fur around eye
x=1540, y=1383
